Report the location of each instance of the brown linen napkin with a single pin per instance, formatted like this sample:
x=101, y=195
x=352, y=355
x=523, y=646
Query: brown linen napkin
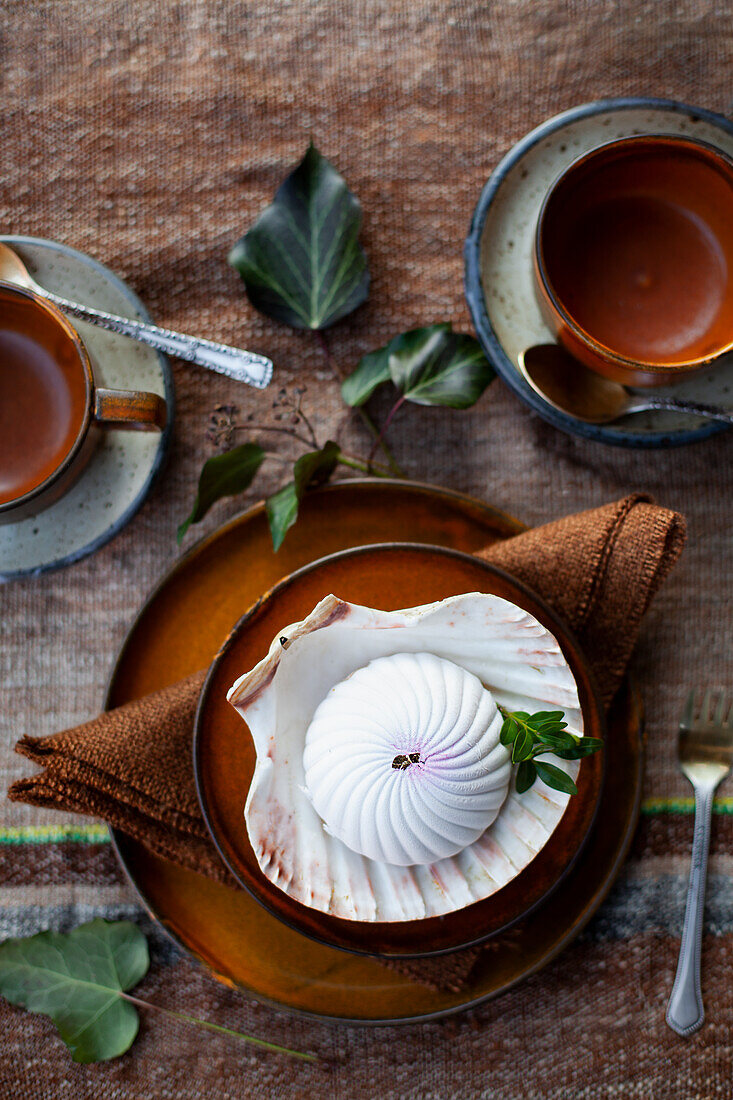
x=132, y=767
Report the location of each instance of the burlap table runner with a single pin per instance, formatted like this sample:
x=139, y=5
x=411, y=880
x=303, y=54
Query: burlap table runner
x=132, y=767
x=150, y=137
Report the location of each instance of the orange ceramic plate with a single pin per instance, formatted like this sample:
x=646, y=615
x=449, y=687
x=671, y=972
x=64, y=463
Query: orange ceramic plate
x=388, y=576
x=180, y=629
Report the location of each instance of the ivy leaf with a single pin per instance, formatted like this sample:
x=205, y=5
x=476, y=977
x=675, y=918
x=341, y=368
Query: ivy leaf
x=555, y=777
x=282, y=512
x=372, y=371
x=312, y=468
x=80, y=980
x=429, y=366
x=526, y=775
x=77, y=978
x=301, y=261
x=436, y=366
x=223, y=476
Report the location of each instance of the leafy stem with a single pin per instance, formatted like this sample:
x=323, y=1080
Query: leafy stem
x=303, y=266
x=299, y=414
x=379, y=442
x=81, y=979
x=220, y=1029
x=365, y=467
x=297, y=436
x=533, y=735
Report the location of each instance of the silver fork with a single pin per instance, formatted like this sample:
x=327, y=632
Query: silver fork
x=705, y=757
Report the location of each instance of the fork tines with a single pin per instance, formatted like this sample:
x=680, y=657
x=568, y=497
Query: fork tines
x=715, y=710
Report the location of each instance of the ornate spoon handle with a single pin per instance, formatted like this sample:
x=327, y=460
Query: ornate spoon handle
x=685, y=1012
x=243, y=366
x=712, y=412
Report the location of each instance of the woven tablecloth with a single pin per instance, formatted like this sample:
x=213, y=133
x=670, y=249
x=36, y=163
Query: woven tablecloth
x=150, y=136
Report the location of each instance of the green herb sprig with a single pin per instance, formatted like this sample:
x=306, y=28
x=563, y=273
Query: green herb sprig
x=532, y=735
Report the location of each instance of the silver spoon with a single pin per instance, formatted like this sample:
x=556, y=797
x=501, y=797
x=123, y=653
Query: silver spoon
x=243, y=366
x=572, y=388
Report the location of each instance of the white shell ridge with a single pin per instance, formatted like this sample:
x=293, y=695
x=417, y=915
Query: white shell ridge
x=513, y=656
x=403, y=761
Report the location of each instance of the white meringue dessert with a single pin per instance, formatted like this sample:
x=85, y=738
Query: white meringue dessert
x=403, y=762
x=381, y=790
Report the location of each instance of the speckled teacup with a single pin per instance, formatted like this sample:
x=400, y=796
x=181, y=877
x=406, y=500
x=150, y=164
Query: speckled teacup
x=51, y=411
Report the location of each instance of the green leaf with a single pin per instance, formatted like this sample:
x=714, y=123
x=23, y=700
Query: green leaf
x=554, y=741
x=77, y=979
x=522, y=746
x=509, y=731
x=372, y=371
x=583, y=746
x=312, y=468
x=282, y=512
x=301, y=261
x=555, y=777
x=223, y=476
x=526, y=775
x=429, y=366
x=542, y=716
x=548, y=726
x=436, y=366
x=533, y=735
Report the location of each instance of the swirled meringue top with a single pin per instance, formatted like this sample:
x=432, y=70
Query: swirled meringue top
x=403, y=761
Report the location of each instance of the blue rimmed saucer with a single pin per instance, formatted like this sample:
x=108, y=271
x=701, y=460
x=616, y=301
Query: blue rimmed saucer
x=124, y=466
x=499, y=248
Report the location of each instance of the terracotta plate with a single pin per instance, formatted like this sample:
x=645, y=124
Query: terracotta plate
x=179, y=631
x=389, y=577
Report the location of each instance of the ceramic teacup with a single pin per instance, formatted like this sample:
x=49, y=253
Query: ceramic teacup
x=51, y=410
x=634, y=258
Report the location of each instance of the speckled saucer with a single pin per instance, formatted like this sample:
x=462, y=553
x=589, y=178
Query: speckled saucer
x=499, y=247
x=125, y=464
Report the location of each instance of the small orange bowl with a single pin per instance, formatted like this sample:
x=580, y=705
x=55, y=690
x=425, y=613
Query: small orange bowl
x=387, y=576
x=634, y=258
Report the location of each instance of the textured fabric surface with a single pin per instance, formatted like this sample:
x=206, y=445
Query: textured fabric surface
x=150, y=138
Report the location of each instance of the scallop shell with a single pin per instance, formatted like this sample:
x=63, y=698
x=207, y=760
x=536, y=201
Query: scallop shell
x=403, y=762
x=507, y=649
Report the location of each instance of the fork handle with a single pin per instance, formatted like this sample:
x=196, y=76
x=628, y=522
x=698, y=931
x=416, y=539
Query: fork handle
x=685, y=1012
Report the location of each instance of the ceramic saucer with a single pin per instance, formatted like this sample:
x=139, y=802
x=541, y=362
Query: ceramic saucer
x=125, y=464
x=499, y=248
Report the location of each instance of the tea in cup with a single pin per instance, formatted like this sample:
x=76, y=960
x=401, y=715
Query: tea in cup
x=51, y=411
x=634, y=258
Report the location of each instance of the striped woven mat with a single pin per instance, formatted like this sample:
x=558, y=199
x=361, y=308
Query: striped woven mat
x=150, y=137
